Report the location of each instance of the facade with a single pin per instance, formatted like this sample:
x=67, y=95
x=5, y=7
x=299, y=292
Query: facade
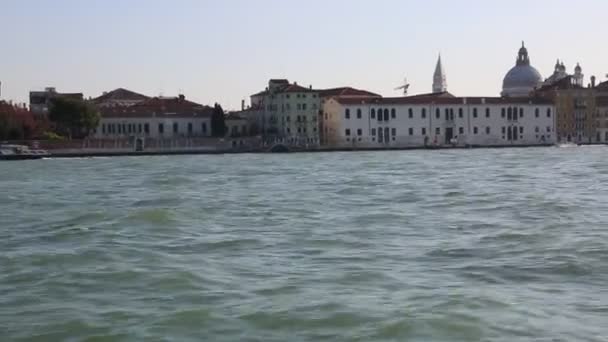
x=288, y=113
x=419, y=121
x=237, y=125
x=158, y=117
x=601, y=102
x=41, y=100
x=523, y=78
x=575, y=107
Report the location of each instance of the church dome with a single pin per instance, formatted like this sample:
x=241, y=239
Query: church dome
x=521, y=79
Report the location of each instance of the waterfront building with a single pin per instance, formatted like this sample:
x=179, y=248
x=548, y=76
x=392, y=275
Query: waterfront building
x=119, y=98
x=575, y=109
x=157, y=117
x=237, y=125
x=41, y=100
x=288, y=112
x=523, y=78
x=417, y=121
x=601, y=101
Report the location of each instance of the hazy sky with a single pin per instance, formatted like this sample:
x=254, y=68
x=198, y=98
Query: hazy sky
x=223, y=51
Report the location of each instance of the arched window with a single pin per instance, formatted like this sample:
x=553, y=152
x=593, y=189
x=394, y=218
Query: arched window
x=410, y=113
x=521, y=112
x=536, y=112
x=359, y=114
x=393, y=113
x=460, y=113
x=437, y=113
x=373, y=114
x=386, y=118
x=487, y=112
x=379, y=114
x=423, y=113
x=502, y=112
x=475, y=112
x=509, y=113
x=548, y=112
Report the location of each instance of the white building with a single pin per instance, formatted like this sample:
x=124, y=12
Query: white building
x=442, y=120
x=288, y=112
x=158, y=117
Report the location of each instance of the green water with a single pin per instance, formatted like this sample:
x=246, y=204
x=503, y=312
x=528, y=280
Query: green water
x=478, y=245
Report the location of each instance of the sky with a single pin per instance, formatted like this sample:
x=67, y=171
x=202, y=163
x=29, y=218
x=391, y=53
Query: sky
x=223, y=51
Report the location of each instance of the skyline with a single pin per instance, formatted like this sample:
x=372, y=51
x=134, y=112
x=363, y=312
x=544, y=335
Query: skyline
x=204, y=49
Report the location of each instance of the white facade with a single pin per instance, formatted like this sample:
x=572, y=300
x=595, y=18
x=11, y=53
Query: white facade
x=451, y=122
x=153, y=127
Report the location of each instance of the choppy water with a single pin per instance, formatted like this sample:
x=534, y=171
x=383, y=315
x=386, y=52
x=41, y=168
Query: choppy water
x=478, y=245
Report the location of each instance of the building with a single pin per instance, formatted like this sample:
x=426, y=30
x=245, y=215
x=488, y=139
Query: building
x=601, y=102
x=417, y=121
x=237, y=125
x=560, y=73
x=575, y=107
x=157, y=117
x=441, y=119
x=523, y=78
x=288, y=113
x=440, y=84
x=41, y=100
x=119, y=98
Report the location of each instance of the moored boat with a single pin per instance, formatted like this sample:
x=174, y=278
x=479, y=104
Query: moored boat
x=21, y=152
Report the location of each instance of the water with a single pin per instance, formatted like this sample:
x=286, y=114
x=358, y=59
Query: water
x=477, y=245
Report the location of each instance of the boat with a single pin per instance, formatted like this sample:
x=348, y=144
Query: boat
x=21, y=152
x=567, y=145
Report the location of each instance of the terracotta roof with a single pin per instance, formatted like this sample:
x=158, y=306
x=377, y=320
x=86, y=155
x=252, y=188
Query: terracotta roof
x=286, y=88
x=345, y=91
x=438, y=100
x=160, y=107
x=121, y=94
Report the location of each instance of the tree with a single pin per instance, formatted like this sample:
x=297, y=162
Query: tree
x=75, y=118
x=218, y=122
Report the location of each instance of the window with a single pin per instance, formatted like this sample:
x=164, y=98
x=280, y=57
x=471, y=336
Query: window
x=504, y=130
x=346, y=114
x=411, y=131
x=461, y=130
x=423, y=131
x=379, y=114
x=161, y=128
x=521, y=112
x=298, y=106
x=373, y=132
x=393, y=113
x=303, y=106
x=175, y=128
x=393, y=131
x=475, y=130
x=474, y=112
x=287, y=96
x=386, y=115
x=460, y=114
x=438, y=131
x=359, y=114
x=447, y=114
x=437, y=113
x=521, y=130
x=190, y=128
x=410, y=113
x=537, y=112
x=359, y=132
x=103, y=129
x=204, y=127
x=548, y=129
x=373, y=114
x=347, y=132
x=487, y=112
x=502, y=113
x=139, y=128
x=548, y=112
x=537, y=129
x=423, y=113
x=488, y=130
x=147, y=128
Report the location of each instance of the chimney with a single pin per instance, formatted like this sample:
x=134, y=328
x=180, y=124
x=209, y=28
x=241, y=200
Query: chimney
x=310, y=87
x=242, y=104
x=182, y=97
x=592, y=81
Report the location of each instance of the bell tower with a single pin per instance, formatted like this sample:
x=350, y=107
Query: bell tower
x=439, y=80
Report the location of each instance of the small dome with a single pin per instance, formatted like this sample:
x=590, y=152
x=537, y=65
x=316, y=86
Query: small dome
x=578, y=68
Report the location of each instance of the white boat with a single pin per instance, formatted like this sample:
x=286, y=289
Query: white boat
x=567, y=145
x=20, y=152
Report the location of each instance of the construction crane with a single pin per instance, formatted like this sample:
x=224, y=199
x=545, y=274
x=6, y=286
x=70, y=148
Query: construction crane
x=405, y=87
